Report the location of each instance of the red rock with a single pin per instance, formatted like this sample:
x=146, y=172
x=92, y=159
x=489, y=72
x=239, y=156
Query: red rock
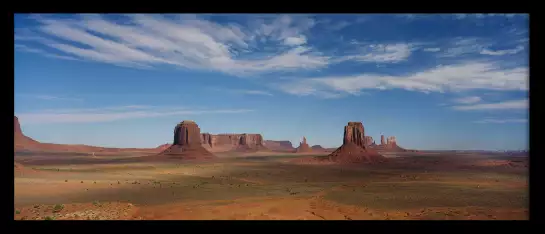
x=382, y=141
x=279, y=145
x=369, y=141
x=303, y=147
x=353, y=149
x=391, y=141
x=389, y=146
x=187, y=143
x=239, y=142
x=163, y=147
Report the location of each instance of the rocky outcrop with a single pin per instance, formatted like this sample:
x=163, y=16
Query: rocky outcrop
x=391, y=141
x=369, y=141
x=284, y=146
x=390, y=145
x=353, y=149
x=187, y=143
x=303, y=146
x=382, y=140
x=354, y=132
x=319, y=148
x=21, y=141
x=163, y=147
x=240, y=142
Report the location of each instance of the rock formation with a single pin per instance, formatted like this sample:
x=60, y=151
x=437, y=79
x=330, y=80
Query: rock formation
x=319, y=148
x=391, y=141
x=187, y=143
x=353, y=149
x=20, y=140
x=163, y=147
x=239, y=142
x=382, y=141
x=279, y=145
x=303, y=146
x=390, y=145
x=369, y=141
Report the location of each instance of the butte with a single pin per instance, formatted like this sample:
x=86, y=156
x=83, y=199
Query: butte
x=187, y=143
x=354, y=149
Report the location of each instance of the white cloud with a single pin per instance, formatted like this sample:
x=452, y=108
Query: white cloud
x=463, y=46
x=482, y=16
x=255, y=92
x=470, y=75
x=149, y=40
x=506, y=105
x=27, y=49
x=503, y=52
x=112, y=114
x=49, y=97
x=468, y=100
x=501, y=121
x=432, y=49
x=380, y=53
x=295, y=41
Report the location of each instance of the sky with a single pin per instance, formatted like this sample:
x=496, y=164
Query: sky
x=434, y=81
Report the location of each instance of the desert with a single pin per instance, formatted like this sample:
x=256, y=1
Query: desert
x=143, y=184
x=277, y=116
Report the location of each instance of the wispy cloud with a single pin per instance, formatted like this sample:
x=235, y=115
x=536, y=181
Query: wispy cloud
x=432, y=49
x=468, y=100
x=254, y=92
x=465, y=76
x=27, y=49
x=502, y=52
x=506, y=105
x=113, y=114
x=148, y=40
x=501, y=121
x=481, y=16
x=463, y=46
x=380, y=53
x=49, y=97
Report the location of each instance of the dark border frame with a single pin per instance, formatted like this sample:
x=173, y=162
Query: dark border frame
x=252, y=226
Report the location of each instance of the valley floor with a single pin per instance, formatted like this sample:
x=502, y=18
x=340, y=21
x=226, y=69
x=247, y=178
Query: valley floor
x=410, y=186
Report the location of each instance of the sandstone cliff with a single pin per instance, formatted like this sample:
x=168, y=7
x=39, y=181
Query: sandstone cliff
x=353, y=149
x=230, y=142
x=390, y=145
x=24, y=143
x=187, y=143
x=303, y=147
x=284, y=146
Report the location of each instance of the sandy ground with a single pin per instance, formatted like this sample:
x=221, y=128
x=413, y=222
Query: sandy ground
x=264, y=187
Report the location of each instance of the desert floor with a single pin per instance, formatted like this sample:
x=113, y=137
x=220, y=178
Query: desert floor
x=411, y=186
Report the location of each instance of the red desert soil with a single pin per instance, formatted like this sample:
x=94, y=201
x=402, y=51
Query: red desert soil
x=313, y=208
x=78, y=211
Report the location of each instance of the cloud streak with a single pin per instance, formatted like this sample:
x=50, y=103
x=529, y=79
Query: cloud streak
x=50, y=97
x=150, y=40
x=467, y=100
x=459, y=77
x=501, y=121
x=506, y=105
x=109, y=114
x=502, y=52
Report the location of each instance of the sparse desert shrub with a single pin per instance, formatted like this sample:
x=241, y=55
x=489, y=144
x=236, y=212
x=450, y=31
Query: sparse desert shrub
x=82, y=181
x=65, y=180
x=17, y=212
x=58, y=208
x=96, y=203
x=49, y=218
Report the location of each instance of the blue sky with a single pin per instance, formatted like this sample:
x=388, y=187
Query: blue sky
x=435, y=81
